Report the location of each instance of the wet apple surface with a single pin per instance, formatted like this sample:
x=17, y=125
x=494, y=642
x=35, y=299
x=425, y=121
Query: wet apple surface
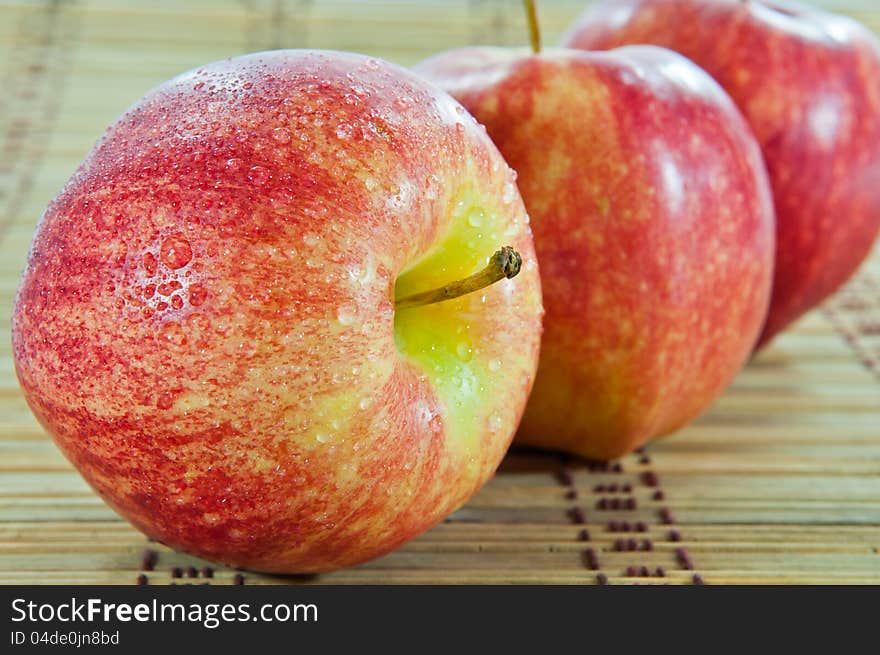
x=450, y=340
x=806, y=81
x=206, y=322
x=653, y=225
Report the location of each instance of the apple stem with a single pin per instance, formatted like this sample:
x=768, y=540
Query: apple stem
x=534, y=30
x=505, y=263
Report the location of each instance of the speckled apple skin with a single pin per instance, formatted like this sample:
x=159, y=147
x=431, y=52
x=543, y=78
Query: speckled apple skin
x=653, y=224
x=206, y=326
x=808, y=83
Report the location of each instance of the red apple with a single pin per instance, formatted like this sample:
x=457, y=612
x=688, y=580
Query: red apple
x=653, y=225
x=207, y=325
x=808, y=83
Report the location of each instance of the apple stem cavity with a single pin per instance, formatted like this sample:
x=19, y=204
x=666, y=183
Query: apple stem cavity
x=504, y=264
x=534, y=30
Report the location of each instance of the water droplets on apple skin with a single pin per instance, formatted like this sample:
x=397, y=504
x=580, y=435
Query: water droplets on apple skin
x=402, y=103
x=495, y=422
x=362, y=275
x=312, y=243
x=402, y=197
x=162, y=279
x=175, y=251
x=508, y=195
x=259, y=175
x=347, y=314
x=281, y=135
x=476, y=217
x=427, y=418
x=464, y=351
x=433, y=187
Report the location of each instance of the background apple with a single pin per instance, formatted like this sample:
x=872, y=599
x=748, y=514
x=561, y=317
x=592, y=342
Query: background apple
x=809, y=84
x=653, y=225
x=206, y=323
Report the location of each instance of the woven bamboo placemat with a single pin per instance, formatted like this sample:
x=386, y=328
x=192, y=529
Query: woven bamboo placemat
x=778, y=483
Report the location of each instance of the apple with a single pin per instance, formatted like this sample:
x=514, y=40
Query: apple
x=653, y=226
x=222, y=319
x=808, y=82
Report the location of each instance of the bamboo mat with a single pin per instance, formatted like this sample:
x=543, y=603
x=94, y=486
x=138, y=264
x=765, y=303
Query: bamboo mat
x=778, y=483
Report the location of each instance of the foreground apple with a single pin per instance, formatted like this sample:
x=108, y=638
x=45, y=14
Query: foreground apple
x=809, y=84
x=653, y=225
x=207, y=327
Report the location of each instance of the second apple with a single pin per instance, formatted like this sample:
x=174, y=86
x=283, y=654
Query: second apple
x=653, y=226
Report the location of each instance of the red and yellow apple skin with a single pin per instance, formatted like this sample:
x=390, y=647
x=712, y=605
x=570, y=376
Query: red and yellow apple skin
x=808, y=83
x=206, y=322
x=653, y=225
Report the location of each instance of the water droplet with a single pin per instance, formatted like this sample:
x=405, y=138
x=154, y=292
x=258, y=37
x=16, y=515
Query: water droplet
x=233, y=164
x=495, y=365
x=311, y=239
x=258, y=175
x=197, y=295
x=281, y=135
x=346, y=314
x=168, y=288
x=150, y=264
x=175, y=251
x=424, y=413
x=364, y=403
x=509, y=193
x=432, y=187
x=476, y=216
x=401, y=198
x=464, y=351
x=495, y=422
x=174, y=334
x=370, y=183
x=322, y=437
